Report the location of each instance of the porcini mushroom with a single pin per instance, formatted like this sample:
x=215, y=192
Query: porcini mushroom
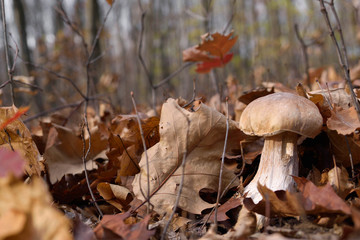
x=280, y=118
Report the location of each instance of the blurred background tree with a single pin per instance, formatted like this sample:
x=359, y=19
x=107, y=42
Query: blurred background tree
x=267, y=49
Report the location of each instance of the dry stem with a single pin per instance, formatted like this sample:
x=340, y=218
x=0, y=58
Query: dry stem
x=342, y=55
x=145, y=152
x=222, y=164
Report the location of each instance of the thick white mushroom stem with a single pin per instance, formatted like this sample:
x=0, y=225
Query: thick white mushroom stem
x=279, y=161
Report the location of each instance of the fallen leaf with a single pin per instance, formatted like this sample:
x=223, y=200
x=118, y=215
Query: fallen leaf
x=344, y=121
x=82, y=231
x=310, y=200
x=224, y=208
x=126, y=144
x=116, y=195
x=30, y=211
x=204, y=146
x=250, y=96
x=320, y=199
x=342, y=146
x=11, y=162
x=18, y=114
x=114, y=227
x=281, y=203
x=338, y=178
x=16, y=136
x=65, y=157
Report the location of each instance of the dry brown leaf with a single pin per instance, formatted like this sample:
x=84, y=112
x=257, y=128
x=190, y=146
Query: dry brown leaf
x=344, y=121
x=115, y=227
x=126, y=144
x=224, y=208
x=27, y=212
x=311, y=200
x=250, y=96
x=338, y=178
x=204, y=147
x=278, y=87
x=337, y=96
x=126, y=160
x=319, y=200
x=282, y=203
x=21, y=141
x=341, y=150
x=116, y=195
x=65, y=157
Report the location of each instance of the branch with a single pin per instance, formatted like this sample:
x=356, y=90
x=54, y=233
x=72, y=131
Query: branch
x=47, y=112
x=342, y=56
x=222, y=164
x=145, y=151
x=304, y=50
x=168, y=78
x=58, y=76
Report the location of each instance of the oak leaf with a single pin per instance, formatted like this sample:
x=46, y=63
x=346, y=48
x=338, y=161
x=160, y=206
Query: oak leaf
x=211, y=52
x=203, y=140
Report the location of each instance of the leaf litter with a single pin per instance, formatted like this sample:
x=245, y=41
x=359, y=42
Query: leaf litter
x=44, y=193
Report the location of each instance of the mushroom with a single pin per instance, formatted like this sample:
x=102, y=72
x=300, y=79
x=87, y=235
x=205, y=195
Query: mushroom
x=280, y=118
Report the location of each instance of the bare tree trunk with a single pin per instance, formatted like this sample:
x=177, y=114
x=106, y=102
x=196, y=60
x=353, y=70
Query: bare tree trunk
x=25, y=53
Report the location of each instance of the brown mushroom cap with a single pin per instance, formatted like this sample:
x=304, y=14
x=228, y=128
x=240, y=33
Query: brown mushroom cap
x=280, y=112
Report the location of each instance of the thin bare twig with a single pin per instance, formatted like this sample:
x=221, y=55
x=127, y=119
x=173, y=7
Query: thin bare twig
x=84, y=159
x=194, y=94
x=6, y=46
x=172, y=75
x=71, y=81
x=86, y=97
x=145, y=151
x=233, y=9
x=183, y=163
x=222, y=163
x=127, y=153
x=342, y=55
x=67, y=20
x=304, y=50
x=228, y=186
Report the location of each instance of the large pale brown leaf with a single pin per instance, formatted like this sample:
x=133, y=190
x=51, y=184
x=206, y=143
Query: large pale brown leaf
x=344, y=121
x=204, y=145
x=27, y=212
